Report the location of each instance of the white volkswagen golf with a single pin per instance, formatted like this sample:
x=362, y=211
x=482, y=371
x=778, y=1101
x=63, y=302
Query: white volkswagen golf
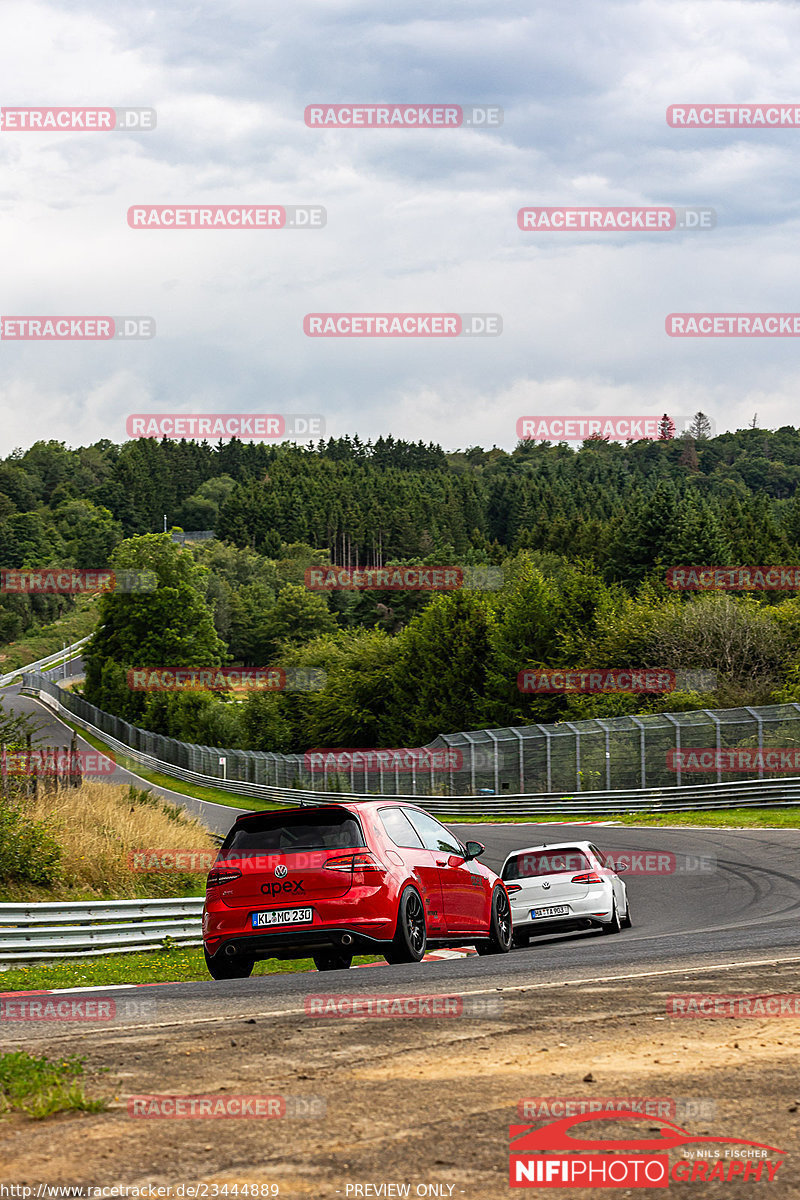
x=566, y=885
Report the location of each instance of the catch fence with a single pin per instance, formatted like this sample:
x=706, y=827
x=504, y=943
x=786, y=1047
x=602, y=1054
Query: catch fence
x=571, y=758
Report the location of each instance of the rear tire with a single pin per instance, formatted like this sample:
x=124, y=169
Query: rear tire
x=501, y=932
x=614, y=925
x=222, y=967
x=411, y=939
x=626, y=920
x=333, y=960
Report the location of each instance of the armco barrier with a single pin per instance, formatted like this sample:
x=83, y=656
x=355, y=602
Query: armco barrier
x=64, y=655
x=52, y=930
x=758, y=793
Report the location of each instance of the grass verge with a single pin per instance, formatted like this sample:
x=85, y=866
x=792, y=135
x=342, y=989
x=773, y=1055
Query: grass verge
x=731, y=818
x=195, y=790
x=40, y=643
x=180, y=964
x=40, y=1087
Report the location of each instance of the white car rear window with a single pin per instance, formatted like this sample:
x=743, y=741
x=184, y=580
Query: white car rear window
x=532, y=863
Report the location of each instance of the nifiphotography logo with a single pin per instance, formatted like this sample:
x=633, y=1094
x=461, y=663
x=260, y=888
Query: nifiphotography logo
x=553, y=1156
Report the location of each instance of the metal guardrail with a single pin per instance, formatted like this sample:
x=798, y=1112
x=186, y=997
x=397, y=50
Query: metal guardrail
x=756, y=793
x=53, y=930
x=62, y=655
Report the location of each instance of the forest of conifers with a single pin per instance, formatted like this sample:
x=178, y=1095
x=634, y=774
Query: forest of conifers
x=583, y=538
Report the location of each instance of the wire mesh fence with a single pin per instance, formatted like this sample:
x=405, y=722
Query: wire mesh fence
x=659, y=750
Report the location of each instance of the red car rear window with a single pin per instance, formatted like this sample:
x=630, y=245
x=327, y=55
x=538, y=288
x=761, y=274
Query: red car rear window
x=300, y=831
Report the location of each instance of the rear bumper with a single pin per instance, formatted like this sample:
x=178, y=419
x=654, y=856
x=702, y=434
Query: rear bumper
x=298, y=943
x=592, y=910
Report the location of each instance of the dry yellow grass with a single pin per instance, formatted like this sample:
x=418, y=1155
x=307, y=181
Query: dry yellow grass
x=98, y=826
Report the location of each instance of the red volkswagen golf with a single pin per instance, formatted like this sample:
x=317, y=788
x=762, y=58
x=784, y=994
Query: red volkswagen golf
x=373, y=877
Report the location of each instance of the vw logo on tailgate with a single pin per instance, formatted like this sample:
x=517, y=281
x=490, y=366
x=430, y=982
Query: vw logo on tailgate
x=544, y=885
x=281, y=871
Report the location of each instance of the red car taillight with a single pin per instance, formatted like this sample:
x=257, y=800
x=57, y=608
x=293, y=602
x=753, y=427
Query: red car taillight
x=364, y=861
x=220, y=875
x=511, y=888
x=589, y=877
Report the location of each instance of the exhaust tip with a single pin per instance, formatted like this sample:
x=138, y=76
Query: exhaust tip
x=347, y=939
x=230, y=951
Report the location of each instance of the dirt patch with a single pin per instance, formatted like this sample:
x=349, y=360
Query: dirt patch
x=423, y=1102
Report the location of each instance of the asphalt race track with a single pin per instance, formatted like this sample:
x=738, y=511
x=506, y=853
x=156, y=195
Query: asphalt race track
x=727, y=897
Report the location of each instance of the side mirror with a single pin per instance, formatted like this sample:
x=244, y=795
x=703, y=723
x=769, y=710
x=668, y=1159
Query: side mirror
x=621, y=868
x=475, y=850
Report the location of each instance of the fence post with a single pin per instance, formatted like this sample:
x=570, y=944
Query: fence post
x=719, y=741
x=607, y=732
x=753, y=713
x=642, y=770
x=577, y=735
x=521, y=761
x=677, y=746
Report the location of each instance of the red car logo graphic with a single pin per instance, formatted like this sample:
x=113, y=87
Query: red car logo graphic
x=556, y=1136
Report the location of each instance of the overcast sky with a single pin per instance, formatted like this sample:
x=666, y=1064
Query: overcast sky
x=417, y=220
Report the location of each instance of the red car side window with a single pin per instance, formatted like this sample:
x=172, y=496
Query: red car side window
x=399, y=828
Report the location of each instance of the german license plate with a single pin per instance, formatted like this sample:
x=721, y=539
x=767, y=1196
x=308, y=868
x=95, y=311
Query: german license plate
x=557, y=910
x=283, y=916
